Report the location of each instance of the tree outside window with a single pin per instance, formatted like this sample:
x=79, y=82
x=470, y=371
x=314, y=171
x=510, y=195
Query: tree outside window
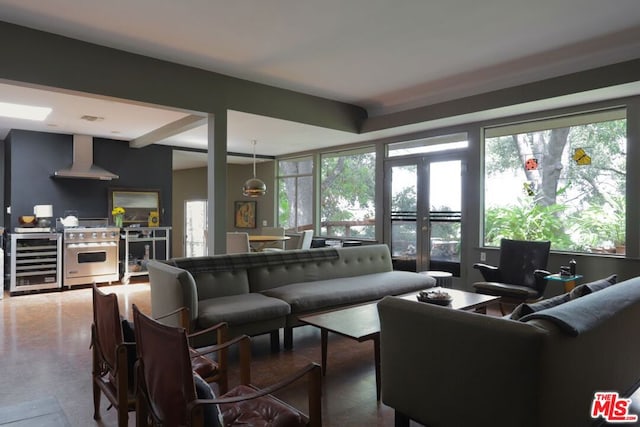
x=562, y=180
x=295, y=194
x=347, y=193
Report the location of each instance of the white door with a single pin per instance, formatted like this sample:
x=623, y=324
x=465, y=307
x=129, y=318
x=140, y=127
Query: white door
x=195, y=228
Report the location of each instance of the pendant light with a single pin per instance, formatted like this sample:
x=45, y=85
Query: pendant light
x=254, y=187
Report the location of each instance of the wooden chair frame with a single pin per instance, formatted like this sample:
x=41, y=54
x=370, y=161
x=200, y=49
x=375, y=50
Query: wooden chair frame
x=195, y=408
x=115, y=389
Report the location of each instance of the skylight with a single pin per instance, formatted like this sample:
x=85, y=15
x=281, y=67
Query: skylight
x=27, y=112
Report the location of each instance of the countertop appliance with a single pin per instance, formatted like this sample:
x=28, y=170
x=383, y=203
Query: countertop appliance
x=91, y=252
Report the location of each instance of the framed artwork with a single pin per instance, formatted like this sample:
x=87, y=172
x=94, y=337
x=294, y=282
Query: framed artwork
x=245, y=214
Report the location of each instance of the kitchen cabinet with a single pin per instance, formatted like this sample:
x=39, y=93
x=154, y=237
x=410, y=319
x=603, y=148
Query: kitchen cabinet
x=140, y=245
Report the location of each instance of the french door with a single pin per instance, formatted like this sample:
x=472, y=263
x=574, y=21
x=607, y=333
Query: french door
x=423, y=215
x=195, y=228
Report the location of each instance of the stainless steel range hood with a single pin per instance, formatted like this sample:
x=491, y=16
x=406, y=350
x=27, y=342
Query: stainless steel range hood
x=82, y=166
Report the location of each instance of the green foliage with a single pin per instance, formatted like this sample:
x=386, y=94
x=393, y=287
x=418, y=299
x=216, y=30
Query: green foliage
x=284, y=208
x=405, y=200
x=605, y=225
x=347, y=185
x=526, y=221
x=584, y=203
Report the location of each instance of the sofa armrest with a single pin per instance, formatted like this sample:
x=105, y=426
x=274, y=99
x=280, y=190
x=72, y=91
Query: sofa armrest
x=172, y=289
x=441, y=366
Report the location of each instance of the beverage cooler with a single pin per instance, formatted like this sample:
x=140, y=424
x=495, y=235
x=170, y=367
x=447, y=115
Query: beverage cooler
x=36, y=261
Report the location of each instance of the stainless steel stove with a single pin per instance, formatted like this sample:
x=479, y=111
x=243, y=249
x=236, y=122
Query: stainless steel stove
x=91, y=253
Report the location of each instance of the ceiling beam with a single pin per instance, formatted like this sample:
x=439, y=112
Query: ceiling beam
x=174, y=128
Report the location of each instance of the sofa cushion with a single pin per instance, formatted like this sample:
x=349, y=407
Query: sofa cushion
x=240, y=309
x=215, y=284
x=582, y=314
x=309, y=296
x=595, y=286
x=528, y=308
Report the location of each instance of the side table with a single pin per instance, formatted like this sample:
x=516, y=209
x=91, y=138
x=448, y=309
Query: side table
x=443, y=278
x=569, y=281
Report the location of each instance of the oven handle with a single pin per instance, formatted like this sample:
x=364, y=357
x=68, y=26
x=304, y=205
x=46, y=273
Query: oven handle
x=90, y=245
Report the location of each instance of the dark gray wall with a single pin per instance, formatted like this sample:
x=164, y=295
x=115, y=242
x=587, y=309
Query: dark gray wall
x=34, y=156
x=41, y=58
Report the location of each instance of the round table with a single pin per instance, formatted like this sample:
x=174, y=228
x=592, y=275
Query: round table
x=444, y=279
x=258, y=242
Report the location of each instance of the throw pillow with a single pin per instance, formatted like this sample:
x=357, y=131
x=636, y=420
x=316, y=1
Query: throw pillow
x=528, y=308
x=588, y=288
x=212, y=414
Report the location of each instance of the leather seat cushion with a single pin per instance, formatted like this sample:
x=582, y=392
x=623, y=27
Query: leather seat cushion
x=202, y=365
x=505, y=290
x=263, y=411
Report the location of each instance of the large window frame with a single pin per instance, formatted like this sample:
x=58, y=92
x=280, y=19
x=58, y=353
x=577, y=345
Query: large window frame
x=353, y=206
x=574, y=221
x=295, y=181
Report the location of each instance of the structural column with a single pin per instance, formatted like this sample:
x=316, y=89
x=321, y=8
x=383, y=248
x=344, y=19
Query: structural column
x=217, y=183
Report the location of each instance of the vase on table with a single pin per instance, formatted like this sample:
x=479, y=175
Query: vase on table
x=117, y=220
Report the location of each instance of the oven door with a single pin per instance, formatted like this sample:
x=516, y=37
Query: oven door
x=85, y=262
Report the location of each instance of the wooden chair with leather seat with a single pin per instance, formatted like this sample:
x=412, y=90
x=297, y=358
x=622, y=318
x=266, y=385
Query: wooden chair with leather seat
x=305, y=239
x=170, y=394
x=519, y=277
x=112, y=364
x=114, y=356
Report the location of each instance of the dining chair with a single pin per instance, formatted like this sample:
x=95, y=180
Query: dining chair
x=304, y=242
x=273, y=231
x=237, y=242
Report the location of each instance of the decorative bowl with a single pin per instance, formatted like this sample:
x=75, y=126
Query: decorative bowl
x=435, y=297
x=27, y=220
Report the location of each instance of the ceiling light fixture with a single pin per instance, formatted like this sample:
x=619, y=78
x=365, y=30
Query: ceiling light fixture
x=254, y=187
x=21, y=111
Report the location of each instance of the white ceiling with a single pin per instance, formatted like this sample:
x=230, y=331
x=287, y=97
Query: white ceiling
x=383, y=55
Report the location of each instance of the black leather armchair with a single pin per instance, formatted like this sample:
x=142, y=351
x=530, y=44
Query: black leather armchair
x=520, y=274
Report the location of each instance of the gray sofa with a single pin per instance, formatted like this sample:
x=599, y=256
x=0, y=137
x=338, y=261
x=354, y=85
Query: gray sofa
x=443, y=367
x=260, y=293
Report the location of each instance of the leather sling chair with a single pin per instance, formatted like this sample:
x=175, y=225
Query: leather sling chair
x=169, y=392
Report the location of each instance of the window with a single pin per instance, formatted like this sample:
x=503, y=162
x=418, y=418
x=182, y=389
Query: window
x=560, y=179
x=295, y=194
x=347, y=193
x=436, y=144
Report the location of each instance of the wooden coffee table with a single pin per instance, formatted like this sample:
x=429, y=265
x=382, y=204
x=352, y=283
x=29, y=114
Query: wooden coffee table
x=361, y=322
